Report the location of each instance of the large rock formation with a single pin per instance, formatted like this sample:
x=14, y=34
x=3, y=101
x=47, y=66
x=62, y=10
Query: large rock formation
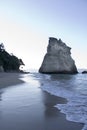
x=58, y=58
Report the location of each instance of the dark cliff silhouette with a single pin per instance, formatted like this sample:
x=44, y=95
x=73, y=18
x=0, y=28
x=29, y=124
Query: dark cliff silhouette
x=9, y=62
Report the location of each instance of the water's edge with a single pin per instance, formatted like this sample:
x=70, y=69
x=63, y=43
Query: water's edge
x=75, y=108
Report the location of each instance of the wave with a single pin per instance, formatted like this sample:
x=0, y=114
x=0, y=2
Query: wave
x=71, y=87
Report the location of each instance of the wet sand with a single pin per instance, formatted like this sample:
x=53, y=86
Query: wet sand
x=37, y=111
x=57, y=120
x=10, y=79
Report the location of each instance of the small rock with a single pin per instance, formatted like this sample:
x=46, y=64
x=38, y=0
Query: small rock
x=84, y=72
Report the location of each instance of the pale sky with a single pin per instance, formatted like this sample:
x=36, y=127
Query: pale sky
x=26, y=25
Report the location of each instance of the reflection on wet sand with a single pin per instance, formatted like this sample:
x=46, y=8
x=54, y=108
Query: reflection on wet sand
x=27, y=107
x=50, y=101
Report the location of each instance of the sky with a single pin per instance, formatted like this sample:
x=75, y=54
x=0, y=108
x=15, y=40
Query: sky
x=26, y=25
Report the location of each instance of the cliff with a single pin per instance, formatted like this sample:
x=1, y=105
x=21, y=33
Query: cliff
x=58, y=58
x=8, y=62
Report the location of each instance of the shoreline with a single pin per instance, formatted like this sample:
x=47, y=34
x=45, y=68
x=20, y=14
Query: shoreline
x=41, y=108
x=10, y=79
x=63, y=123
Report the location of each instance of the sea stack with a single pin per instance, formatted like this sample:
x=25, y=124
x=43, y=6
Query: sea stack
x=58, y=59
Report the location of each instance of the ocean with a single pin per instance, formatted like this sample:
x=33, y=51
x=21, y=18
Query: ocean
x=71, y=87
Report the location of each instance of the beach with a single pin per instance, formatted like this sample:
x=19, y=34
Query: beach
x=10, y=79
x=24, y=106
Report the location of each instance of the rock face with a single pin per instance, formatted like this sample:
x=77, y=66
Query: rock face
x=58, y=58
x=9, y=62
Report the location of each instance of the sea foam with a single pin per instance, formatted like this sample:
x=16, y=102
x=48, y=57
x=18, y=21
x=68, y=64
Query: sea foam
x=74, y=89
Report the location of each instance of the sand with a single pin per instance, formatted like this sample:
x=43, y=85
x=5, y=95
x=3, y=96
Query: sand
x=10, y=79
x=44, y=116
x=57, y=119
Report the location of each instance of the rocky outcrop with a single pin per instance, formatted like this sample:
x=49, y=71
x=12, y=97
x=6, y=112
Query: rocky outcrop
x=9, y=62
x=84, y=72
x=58, y=58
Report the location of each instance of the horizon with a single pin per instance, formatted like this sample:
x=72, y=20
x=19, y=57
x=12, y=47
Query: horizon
x=26, y=25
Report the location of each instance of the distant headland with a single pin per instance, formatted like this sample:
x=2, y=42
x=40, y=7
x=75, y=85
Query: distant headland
x=9, y=62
